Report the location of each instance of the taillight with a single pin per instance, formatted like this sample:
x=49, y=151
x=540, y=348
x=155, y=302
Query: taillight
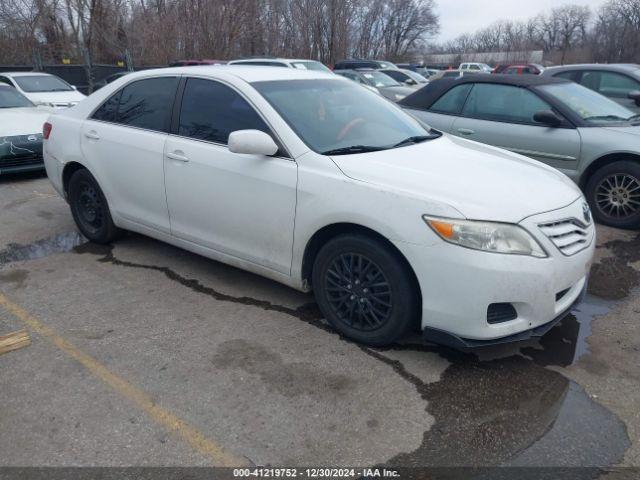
x=46, y=130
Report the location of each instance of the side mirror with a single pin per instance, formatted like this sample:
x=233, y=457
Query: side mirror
x=547, y=117
x=410, y=81
x=252, y=142
x=635, y=96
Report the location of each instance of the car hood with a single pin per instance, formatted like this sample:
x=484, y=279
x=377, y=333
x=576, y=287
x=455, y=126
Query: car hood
x=479, y=181
x=22, y=121
x=55, y=97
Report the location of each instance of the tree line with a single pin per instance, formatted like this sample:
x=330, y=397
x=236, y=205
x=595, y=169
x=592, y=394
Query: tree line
x=156, y=32
x=567, y=34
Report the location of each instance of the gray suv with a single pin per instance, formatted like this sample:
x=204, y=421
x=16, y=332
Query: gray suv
x=620, y=82
x=592, y=139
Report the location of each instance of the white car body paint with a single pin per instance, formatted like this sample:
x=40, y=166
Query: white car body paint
x=22, y=121
x=259, y=213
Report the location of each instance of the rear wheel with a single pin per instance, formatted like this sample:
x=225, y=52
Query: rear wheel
x=90, y=209
x=365, y=290
x=613, y=192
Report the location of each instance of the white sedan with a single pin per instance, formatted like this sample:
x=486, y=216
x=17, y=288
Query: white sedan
x=310, y=180
x=20, y=132
x=43, y=89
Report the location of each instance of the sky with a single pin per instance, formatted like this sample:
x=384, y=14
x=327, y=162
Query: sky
x=467, y=16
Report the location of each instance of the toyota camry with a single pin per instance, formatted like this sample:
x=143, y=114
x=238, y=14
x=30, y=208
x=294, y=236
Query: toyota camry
x=310, y=180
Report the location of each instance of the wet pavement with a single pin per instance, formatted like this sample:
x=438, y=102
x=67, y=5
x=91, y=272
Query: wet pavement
x=251, y=366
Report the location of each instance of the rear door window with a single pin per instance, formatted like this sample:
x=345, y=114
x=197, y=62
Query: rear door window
x=108, y=111
x=210, y=111
x=147, y=103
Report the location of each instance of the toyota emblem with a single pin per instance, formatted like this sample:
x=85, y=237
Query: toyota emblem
x=32, y=138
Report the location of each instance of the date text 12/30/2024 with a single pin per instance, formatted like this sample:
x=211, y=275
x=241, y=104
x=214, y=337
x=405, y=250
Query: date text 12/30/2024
x=315, y=472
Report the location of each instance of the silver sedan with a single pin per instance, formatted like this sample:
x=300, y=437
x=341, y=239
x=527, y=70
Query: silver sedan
x=593, y=140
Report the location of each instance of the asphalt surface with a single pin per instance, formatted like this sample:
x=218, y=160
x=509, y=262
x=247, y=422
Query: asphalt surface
x=144, y=354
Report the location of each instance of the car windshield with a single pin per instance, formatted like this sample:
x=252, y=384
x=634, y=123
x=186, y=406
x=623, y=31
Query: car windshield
x=11, y=98
x=378, y=79
x=336, y=117
x=589, y=105
x=311, y=65
x=42, y=83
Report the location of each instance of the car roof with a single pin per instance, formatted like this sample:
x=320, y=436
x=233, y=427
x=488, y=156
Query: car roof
x=597, y=66
x=25, y=74
x=428, y=94
x=249, y=74
x=275, y=59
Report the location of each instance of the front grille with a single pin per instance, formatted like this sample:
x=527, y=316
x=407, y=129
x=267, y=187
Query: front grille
x=501, y=312
x=570, y=236
x=20, y=161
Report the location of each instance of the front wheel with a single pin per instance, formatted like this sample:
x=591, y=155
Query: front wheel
x=90, y=209
x=365, y=289
x=613, y=193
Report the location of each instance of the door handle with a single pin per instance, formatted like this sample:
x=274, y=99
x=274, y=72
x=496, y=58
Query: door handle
x=178, y=156
x=92, y=135
x=466, y=131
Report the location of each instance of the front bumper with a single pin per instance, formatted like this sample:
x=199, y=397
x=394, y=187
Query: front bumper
x=440, y=337
x=21, y=153
x=458, y=285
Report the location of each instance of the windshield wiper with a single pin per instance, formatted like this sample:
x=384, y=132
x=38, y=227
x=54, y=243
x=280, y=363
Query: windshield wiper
x=353, y=149
x=606, y=117
x=412, y=140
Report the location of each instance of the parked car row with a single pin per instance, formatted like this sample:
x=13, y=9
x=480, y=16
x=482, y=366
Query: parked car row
x=309, y=179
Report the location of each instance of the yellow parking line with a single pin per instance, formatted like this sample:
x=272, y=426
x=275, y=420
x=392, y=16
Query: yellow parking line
x=191, y=435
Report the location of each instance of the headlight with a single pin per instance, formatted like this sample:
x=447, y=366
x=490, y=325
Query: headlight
x=486, y=236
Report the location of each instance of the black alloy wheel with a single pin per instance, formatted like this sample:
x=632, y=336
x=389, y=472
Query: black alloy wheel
x=365, y=289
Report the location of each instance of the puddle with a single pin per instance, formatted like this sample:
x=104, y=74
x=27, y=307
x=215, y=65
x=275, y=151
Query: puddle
x=566, y=343
x=65, y=242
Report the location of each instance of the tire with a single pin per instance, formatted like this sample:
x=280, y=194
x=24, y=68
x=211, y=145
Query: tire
x=613, y=193
x=90, y=209
x=365, y=290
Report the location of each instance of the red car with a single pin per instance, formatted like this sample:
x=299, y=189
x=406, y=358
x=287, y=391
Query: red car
x=519, y=69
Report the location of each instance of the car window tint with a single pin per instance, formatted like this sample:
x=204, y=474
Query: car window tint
x=147, y=103
x=108, y=111
x=610, y=84
x=452, y=101
x=503, y=103
x=211, y=111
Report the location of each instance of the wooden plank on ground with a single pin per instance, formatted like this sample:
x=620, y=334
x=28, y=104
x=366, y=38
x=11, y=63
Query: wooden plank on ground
x=14, y=341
